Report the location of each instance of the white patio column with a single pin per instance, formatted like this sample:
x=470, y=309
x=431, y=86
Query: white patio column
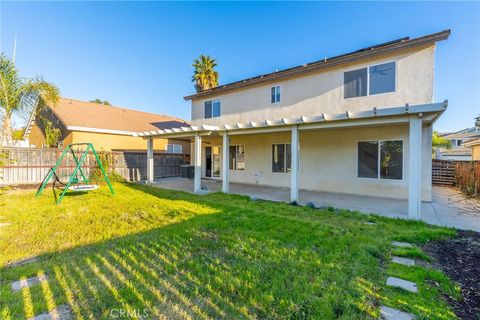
x=226, y=164
x=294, y=169
x=197, y=181
x=415, y=168
x=150, y=170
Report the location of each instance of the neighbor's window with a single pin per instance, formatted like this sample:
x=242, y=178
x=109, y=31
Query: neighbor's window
x=174, y=148
x=237, y=157
x=369, y=81
x=275, y=94
x=380, y=159
x=281, y=158
x=382, y=78
x=212, y=109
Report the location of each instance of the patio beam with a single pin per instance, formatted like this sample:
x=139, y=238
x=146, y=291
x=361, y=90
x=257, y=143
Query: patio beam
x=415, y=167
x=294, y=169
x=150, y=164
x=197, y=181
x=225, y=164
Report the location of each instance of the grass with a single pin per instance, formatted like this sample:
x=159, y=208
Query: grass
x=166, y=254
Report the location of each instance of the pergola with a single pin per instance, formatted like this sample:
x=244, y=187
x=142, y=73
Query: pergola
x=414, y=115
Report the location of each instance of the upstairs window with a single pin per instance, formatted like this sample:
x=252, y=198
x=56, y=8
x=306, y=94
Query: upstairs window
x=382, y=78
x=375, y=79
x=355, y=83
x=275, y=94
x=380, y=160
x=281, y=158
x=212, y=109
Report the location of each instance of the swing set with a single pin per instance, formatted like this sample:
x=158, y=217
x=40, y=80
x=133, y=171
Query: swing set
x=77, y=180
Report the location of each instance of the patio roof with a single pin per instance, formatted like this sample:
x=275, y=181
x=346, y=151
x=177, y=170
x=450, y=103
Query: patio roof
x=434, y=110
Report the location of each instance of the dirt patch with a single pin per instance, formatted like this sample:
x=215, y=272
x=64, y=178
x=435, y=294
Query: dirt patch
x=459, y=258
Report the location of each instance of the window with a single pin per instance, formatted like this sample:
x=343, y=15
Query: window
x=212, y=109
x=372, y=80
x=237, y=157
x=174, y=148
x=355, y=83
x=275, y=94
x=281, y=158
x=380, y=159
x=382, y=78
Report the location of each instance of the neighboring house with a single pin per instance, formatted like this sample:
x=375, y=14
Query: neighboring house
x=107, y=127
x=474, y=145
x=459, y=151
x=359, y=123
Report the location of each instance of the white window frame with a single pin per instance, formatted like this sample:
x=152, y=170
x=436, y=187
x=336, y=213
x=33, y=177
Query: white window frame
x=173, y=148
x=279, y=94
x=379, y=165
x=211, y=110
x=284, y=158
x=244, y=159
x=368, y=79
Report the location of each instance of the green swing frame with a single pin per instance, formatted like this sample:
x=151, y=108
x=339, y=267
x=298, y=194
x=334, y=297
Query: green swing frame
x=78, y=168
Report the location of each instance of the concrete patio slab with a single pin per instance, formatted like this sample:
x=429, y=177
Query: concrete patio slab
x=444, y=210
x=20, y=284
x=403, y=261
x=401, y=244
x=61, y=312
x=388, y=313
x=403, y=284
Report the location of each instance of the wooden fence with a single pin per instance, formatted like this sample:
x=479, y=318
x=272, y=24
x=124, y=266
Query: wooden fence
x=467, y=177
x=443, y=172
x=30, y=165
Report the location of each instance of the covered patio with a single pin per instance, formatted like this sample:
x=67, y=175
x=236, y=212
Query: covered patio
x=415, y=122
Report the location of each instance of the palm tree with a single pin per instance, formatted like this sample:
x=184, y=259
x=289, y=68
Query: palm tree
x=204, y=75
x=17, y=94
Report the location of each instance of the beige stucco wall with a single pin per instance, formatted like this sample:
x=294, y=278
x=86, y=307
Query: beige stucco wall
x=322, y=92
x=328, y=161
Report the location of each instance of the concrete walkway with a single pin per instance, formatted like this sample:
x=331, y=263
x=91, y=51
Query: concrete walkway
x=449, y=207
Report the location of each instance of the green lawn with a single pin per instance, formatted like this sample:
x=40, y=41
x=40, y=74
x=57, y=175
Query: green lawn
x=176, y=255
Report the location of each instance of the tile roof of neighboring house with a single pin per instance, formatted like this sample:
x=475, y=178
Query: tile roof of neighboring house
x=79, y=115
x=462, y=134
x=383, y=48
x=457, y=151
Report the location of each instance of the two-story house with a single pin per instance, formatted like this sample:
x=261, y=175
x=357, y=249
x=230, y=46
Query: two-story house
x=359, y=123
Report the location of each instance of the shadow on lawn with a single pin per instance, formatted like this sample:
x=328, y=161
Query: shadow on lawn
x=230, y=264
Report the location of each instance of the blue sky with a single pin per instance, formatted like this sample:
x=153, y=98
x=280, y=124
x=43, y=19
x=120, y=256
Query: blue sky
x=139, y=55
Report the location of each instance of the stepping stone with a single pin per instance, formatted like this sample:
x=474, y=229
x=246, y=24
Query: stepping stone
x=388, y=313
x=404, y=261
x=23, y=262
x=61, y=312
x=402, y=244
x=404, y=284
x=20, y=284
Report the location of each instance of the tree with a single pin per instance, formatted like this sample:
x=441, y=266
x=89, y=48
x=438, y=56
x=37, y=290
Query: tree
x=18, y=134
x=477, y=121
x=204, y=74
x=105, y=102
x=438, y=141
x=17, y=94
